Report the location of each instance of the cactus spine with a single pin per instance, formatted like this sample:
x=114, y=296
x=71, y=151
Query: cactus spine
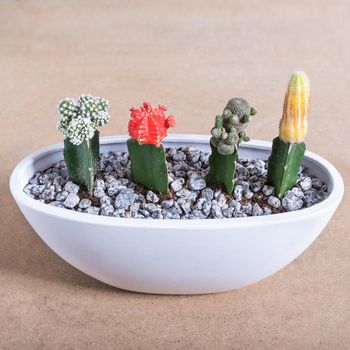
x=79, y=121
x=147, y=128
x=288, y=148
x=227, y=133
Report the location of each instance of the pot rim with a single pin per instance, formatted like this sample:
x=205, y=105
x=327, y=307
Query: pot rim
x=326, y=205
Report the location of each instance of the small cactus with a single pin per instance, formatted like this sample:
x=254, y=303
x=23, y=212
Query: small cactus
x=288, y=148
x=147, y=127
x=227, y=133
x=79, y=121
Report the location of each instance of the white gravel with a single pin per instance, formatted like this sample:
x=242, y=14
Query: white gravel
x=115, y=194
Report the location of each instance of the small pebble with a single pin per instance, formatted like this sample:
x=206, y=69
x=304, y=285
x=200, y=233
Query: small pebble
x=312, y=197
x=238, y=192
x=152, y=197
x=268, y=190
x=216, y=212
x=227, y=211
x=38, y=189
x=177, y=184
x=134, y=207
x=257, y=211
x=199, y=204
x=185, y=206
x=298, y=192
x=124, y=199
x=99, y=183
x=99, y=192
x=107, y=210
x=217, y=194
x=48, y=194
x=184, y=193
x=235, y=205
x=306, y=184
x=157, y=214
x=207, y=194
x=221, y=200
x=248, y=194
x=206, y=208
x=61, y=196
x=106, y=200
x=244, y=185
x=114, y=189
x=239, y=214
x=71, y=187
x=317, y=183
x=166, y=204
x=71, y=201
x=247, y=208
x=274, y=202
x=196, y=182
x=291, y=202
x=179, y=156
x=150, y=207
x=119, y=213
x=28, y=189
x=84, y=203
x=255, y=184
x=267, y=211
x=242, y=173
x=57, y=204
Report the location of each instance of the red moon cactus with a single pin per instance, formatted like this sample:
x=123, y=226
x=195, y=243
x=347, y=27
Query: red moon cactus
x=149, y=125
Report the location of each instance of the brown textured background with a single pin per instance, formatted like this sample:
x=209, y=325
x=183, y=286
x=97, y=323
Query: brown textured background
x=191, y=56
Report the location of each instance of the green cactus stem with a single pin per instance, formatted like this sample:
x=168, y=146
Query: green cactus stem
x=82, y=161
x=79, y=120
x=227, y=133
x=148, y=166
x=227, y=166
x=284, y=164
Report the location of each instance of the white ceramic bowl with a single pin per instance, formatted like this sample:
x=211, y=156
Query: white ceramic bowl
x=176, y=256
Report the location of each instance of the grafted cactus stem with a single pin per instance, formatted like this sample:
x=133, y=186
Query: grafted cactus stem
x=147, y=128
x=79, y=120
x=227, y=133
x=288, y=148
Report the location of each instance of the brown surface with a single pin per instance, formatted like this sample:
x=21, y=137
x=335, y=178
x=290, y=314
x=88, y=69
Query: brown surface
x=191, y=57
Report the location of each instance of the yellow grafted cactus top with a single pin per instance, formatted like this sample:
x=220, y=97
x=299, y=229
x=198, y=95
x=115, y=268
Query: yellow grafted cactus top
x=293, y=125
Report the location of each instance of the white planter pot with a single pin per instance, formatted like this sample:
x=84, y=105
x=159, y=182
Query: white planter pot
x=176, y=256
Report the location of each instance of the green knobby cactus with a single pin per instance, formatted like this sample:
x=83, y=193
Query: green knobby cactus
x=79, y=121
x=227, y=133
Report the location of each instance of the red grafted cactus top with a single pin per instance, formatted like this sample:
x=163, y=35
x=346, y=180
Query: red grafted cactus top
x=149, y=125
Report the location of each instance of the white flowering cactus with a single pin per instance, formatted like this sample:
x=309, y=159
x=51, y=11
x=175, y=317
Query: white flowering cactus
x=79, y=123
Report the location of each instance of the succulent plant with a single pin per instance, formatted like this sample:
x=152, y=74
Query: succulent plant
x=227, y=133
x=147, y=127
x=288, y=148
x=79, y=121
